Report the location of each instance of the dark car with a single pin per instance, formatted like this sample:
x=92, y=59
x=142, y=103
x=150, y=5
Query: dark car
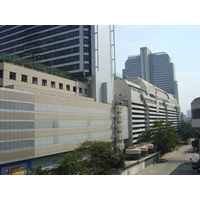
x=195, y=163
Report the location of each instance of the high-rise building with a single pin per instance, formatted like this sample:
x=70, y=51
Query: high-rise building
x=188, y=113
x=155, y=68
x=63, y=47
x=85, y=49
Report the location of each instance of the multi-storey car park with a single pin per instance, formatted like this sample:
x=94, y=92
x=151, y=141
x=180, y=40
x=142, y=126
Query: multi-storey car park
x=146, y=104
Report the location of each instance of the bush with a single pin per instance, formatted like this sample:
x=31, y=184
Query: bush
x=18, y=63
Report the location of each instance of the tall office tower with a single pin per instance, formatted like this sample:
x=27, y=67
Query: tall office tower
x=144, y=60
x=132, y=67
x=162, y=72
x=188, y=113
x=71, y=48
x=155, y=68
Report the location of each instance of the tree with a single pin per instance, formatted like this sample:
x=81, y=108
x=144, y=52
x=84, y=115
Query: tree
x=72, y=164
x=37, y=171
x=91, y=158
x=162, y=135
x=100, y=158
x=195, y=143
x=186, y=131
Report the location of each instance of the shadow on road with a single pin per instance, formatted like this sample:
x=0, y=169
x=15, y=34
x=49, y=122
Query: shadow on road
x=190, y=151
x=185, y=169
x=162, y=161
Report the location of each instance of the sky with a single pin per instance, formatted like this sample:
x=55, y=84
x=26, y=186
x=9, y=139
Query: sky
x=168, y=31
x=180, y=42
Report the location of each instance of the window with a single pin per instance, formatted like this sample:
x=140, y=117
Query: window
x=86, y=41
x=80, y=90
x=69, y=67
x=86, y=26
x=53, y=84
x=86, y=66
x=60, y=86
x=12, y=76
x=44, y=82
x=86, y=33
x=74, y=89
x=86, y=91
x=86, y=58
x=68, y=87
x=24, y=78
x=34, y=80
x=86, y=49
x=1, y=73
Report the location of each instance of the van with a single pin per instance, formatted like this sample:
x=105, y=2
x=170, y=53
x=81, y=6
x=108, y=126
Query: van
x=195, y=163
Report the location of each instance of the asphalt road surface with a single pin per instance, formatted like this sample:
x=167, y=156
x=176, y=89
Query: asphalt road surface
x=175, y=163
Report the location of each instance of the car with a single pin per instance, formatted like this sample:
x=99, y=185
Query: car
x=196, y=163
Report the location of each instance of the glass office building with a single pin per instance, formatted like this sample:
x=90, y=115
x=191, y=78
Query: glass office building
x=66, y=47
x=155, y=68
x=133, y=62
x=76, y=49
x=162, y=72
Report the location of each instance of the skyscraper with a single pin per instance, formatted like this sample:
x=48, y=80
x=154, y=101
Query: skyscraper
x=71, y=48
x=62, y=47
x=155, y=68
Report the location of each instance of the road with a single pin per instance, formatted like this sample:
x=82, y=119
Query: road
x=174, y=163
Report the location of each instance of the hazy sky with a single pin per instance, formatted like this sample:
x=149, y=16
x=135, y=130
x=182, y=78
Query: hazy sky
x=181, y=42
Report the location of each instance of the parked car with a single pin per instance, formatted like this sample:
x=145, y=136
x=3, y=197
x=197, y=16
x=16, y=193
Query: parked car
x=196, y=163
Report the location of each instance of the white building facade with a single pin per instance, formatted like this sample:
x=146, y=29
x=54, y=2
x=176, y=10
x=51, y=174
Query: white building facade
x=146, y=104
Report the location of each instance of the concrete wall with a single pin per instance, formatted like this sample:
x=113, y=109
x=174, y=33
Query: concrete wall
x=195, y=106
x=103, y=63
x=35, y=125
x=67, y=89
x=134, y=167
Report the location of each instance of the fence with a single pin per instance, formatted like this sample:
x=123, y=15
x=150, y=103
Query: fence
x=134, y=167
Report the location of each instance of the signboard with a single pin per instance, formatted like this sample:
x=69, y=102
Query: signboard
x=17, y=171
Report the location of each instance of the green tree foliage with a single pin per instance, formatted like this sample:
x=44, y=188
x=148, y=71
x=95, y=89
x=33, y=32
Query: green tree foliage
x=99, y=158
x=90, y=158
x=186, y=131
x=72, y=164
x=195, y=143
x=162, y=135
x=39, y=69
x=37, y=171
